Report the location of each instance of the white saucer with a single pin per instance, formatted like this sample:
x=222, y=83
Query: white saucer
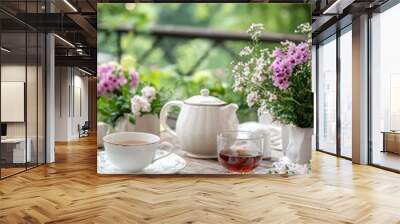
x=168, y=165
x=198, y=156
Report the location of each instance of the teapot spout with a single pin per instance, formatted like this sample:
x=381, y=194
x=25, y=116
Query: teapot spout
x=230, y=110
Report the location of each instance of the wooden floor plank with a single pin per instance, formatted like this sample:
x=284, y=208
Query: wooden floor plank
x=70, y=191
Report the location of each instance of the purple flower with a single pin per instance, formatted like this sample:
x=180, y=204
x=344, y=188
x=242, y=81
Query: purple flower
x=278, y=53
x=134, y=78
x=106, y=69
x=285, y=62
x=303, y=53
x=281, y=83
x=282, y=70
x=303, y=47
x=292, y=60
x=100, y=90
x=121, y=80
x=109, y=79
x=292, y=50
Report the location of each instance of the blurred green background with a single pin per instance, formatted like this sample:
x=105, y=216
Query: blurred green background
x=214, y=72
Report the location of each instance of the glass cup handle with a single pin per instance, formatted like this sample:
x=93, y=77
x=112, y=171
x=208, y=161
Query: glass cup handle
x=167, y=147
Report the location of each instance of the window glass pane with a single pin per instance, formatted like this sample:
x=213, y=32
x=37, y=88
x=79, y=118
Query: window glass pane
x=327, y=96
x=346, y=94
x=22, y=88
x=41, y=98
x=385, y=114
x=31, y=97
x=15, y=150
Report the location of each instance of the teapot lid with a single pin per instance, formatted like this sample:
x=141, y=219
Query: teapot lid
x=204, y=99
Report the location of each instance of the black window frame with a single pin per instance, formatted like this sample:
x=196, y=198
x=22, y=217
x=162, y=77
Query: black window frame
x=338, y=29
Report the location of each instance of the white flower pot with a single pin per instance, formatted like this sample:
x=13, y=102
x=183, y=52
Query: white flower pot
x=124, y=125
x=102, y=130
x=264, y=117
x=285, y=134
x=148, y=123
x=299, y=147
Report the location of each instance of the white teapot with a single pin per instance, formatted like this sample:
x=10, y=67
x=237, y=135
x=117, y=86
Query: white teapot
x=199, y=122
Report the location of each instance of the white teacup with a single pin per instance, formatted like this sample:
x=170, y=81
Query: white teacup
x=132, y=156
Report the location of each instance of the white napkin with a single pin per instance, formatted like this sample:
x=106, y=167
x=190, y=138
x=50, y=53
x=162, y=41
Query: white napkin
x=271, y=133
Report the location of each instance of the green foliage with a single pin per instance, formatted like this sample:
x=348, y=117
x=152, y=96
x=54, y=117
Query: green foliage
x=213, y=72
x=110, y=108
x=278, y=82
x=113, y=15
x=163, y=95
x=219, y=86
x=113, y=106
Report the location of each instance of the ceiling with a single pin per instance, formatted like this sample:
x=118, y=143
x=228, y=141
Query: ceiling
x=74, y=22
x=331, y=14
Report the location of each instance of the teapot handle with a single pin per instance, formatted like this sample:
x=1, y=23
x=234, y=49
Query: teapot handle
x=164, y=115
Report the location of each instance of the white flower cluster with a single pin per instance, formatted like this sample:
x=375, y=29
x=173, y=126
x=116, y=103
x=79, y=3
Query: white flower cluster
x=253, y=71
x=142, y=103
x=272, y=97
x=259, y=74
x=252, y=98
x=255, y=30
x=287, y=43
x=240, y=72
x=286, y=167
x=304, y=28
x=246, y=51
x=149, y=92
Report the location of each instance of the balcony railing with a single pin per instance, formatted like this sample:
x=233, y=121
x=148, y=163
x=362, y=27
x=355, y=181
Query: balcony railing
x=217, y=38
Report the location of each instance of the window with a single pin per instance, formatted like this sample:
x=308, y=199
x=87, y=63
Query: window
x=385, y=89
x=346, y=92
x=327, y=95
x=22, y=101
x=334, y=106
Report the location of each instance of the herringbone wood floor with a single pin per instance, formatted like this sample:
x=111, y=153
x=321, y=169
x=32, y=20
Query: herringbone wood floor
x=70, y=191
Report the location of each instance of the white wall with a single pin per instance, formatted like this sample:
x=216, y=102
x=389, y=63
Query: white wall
x=12, y=73
x=33, y=127
x=62, y=81
x=71, y=93
x=80, y=102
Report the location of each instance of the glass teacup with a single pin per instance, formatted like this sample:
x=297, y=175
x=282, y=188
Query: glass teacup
x=240, y=151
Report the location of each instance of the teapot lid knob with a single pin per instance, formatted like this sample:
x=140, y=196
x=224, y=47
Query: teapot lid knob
x=204, y=92
x=204, y=99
